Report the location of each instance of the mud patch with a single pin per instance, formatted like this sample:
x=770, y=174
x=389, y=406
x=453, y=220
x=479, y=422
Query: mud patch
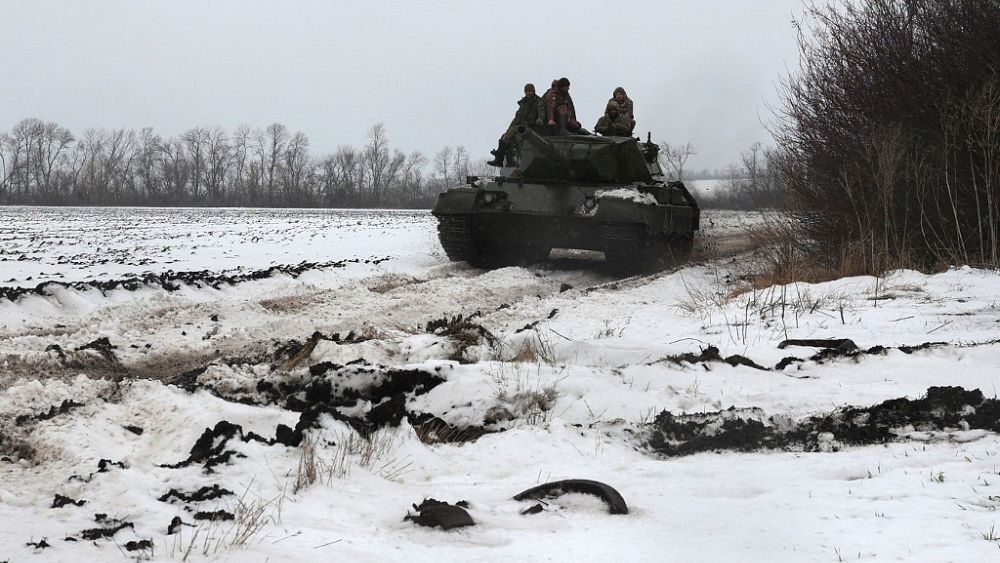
x=844, y=348
x=942, y=409
x=172, y=281
x=829, y=350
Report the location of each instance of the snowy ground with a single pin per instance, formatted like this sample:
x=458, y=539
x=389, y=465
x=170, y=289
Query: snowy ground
x=565, y=367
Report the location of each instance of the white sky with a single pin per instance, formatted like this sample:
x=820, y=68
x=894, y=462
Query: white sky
x=435, y=72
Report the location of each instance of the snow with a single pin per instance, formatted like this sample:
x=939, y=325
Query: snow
x=627, y=194
x=574, y=373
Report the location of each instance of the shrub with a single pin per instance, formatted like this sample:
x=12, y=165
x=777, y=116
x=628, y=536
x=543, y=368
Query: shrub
x=890, y=134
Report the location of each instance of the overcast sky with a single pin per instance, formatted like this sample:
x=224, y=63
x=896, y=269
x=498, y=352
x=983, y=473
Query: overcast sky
x=435, y=72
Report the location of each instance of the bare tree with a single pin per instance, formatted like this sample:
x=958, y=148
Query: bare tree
x=674, y=158
x=44, y=163
x=377, y=163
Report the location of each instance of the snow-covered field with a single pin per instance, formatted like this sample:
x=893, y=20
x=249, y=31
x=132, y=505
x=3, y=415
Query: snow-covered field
x=552, y=372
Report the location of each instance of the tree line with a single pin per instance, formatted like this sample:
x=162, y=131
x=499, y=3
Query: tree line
x=43, y=163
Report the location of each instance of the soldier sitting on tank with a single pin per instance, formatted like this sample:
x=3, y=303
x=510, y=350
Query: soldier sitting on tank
x=625, y=107
x=613, y=123
x=560, y=110
x=530, y=111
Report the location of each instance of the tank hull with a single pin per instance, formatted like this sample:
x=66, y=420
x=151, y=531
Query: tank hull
x=507, y=222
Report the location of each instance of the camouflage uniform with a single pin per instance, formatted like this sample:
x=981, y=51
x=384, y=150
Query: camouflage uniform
x=625, y=107
x=559, y=108
x=613, y=123
x=530, y=111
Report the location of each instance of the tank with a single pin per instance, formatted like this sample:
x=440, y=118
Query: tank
x=605, y=194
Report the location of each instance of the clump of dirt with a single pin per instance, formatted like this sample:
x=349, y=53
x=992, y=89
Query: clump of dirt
x=331, y=387
x=843, y=348
x=40, y=544
x=53, y=412
x=103, y=466
x=213, y=516
x=175, y=525
x=102, y=346
x=291, y=353
x=140, y=545
x=941, y=409
x=462, y=330
x=210, y=450
x=202, y=494
x=60, y=501
x=712, y=355
x=112, y=527
x=434, y=513
x=830, y=349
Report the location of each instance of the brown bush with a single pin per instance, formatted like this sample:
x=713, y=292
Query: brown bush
x=890, y=134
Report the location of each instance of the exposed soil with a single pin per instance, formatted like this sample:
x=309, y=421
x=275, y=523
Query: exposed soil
x=202, y=494
x=172, y=281
x=943, y=409
x=60, y=501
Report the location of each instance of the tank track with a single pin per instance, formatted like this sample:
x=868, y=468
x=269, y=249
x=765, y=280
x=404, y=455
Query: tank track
x=457, y=238
x=629, y=249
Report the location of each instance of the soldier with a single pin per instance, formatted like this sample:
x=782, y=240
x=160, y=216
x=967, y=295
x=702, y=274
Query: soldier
x=559, y=106
x=625, y=106
x=613, y=123
x=530, y=111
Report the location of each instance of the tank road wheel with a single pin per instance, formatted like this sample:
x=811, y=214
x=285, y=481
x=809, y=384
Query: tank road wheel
x=460, y=243
x=629, y=249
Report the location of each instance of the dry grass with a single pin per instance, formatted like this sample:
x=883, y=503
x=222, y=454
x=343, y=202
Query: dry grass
x=372, y=453
x=307, y=470
x=213, y=537
x=520, y=396
x=536, y=348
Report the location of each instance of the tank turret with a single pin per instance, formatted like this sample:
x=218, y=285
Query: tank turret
x=582, y=158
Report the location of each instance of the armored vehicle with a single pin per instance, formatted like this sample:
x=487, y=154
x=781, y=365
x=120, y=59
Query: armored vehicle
x=605, y=194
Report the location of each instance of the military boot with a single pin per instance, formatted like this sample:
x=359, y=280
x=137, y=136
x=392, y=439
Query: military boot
x=498, y=149
x=499, y=155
